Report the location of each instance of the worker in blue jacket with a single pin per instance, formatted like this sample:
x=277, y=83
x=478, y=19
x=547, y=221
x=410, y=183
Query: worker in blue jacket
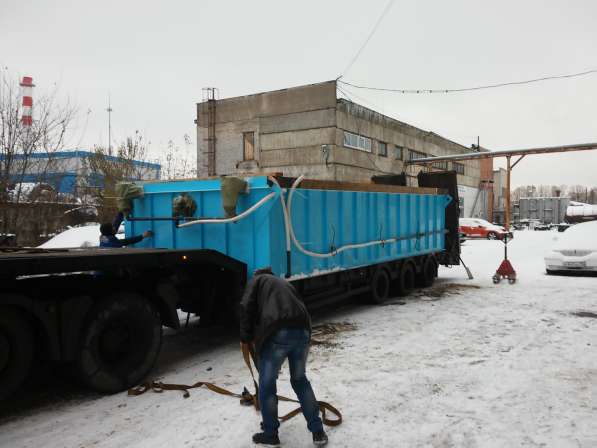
x=108, y=234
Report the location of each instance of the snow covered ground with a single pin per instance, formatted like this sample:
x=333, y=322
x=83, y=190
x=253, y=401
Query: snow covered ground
x=462, y=364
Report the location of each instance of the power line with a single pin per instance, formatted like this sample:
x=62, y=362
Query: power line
x=350, y=95
x=468, y=89
x=356, y=56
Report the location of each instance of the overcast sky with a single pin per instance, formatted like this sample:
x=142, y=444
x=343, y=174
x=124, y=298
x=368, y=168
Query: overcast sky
x=154, y=58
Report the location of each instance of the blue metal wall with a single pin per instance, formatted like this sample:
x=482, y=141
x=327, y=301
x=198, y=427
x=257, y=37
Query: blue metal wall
x=322, y=220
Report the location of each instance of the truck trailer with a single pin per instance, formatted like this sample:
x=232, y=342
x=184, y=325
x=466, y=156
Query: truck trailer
x=102, y=310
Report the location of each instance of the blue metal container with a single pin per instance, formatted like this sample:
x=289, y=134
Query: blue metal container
x=399, y=225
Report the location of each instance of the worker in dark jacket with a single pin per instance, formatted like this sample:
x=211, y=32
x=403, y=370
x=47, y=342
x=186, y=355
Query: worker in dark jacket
x=275, y=320
x=108, y=234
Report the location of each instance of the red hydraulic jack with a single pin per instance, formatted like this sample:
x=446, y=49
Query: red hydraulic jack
x=505, y=270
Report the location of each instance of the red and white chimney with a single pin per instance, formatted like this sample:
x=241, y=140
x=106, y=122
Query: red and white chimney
x=27, y=86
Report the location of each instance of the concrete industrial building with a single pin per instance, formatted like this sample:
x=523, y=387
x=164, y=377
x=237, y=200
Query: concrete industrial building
x=499, y=196
x=310, y=130
x=546, y=210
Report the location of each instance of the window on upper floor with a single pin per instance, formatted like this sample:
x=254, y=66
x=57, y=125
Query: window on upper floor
x=458, y=167
x=356, y=141
x=398, y=152
x=383, y=149
x=413, y=155
x=441, y=165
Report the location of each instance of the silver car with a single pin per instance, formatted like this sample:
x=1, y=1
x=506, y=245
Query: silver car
x=575, y=250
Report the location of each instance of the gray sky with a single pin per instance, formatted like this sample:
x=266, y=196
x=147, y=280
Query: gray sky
x=155, y=57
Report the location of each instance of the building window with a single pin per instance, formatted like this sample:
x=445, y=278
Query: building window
x=458, y=167
x=356, y=141
x=248, y=145
x=399, y=152
x=441, y=165
x=383, y=149
x=414, y=155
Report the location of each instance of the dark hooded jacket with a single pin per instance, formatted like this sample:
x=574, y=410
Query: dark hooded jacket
x=109, y=239
x=269, y=304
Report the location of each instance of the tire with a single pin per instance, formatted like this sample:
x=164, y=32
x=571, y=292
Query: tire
x=492, y=236
x=429, y=272
x=120, y=343
x=17, y=346
x=406, y=279
x=380, y=286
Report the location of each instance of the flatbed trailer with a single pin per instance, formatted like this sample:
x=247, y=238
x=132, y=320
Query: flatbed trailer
x=102, y=310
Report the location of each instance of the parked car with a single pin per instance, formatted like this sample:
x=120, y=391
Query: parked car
x=479, y=228
x=542, y=226
x=575, y=250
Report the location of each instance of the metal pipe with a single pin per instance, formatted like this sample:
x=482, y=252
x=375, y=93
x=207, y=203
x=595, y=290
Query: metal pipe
x=504, y=153
x=336, y=251
x=507, y=213
x=234, y=218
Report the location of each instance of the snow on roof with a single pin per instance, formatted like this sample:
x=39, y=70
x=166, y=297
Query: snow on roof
x=85, y=236
x=580, y=209
x=25, y=189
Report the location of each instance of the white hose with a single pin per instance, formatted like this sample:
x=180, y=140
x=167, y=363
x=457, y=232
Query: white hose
x=244, y=214
x=289, y=229
x=285, y=213
x=287, y=210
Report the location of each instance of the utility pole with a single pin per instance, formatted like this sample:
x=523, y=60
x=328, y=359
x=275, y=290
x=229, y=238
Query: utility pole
x=109, y=110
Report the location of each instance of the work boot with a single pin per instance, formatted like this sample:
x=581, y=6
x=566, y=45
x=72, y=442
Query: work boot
x=320, y=438
x=263, y=438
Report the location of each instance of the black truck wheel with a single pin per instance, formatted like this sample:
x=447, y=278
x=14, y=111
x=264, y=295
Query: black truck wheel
x=380, y=286
x=428, y=273
x=120, y=342
x=406, y=279
x=16, y=350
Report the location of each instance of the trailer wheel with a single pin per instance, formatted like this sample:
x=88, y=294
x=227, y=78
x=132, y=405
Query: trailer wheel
x=380, y=286
x=17, y=344
x=406, y=279
x=120, y=342
x=428, y=274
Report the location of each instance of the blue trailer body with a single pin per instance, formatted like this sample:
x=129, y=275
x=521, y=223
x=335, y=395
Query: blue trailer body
x=322, y=220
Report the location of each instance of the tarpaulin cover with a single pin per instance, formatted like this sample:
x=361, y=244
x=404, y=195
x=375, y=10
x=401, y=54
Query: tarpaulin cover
x=183, y=205
x=231, y=188
x=126, y=192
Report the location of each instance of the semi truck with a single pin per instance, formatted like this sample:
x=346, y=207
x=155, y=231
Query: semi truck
x=102, y=310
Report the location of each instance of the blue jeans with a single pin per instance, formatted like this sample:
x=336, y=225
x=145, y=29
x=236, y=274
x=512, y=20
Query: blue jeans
x=291, y=343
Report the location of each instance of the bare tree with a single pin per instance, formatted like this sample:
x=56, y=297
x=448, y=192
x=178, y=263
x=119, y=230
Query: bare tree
x=179, y=163
x=20, y=144
x=129, y=163
x=578, y=193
